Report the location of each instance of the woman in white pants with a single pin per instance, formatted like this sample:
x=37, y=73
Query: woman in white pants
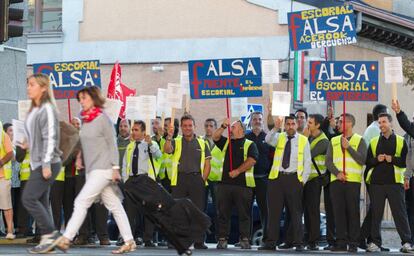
x=100, y=154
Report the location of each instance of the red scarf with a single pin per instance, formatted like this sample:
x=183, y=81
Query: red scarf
x=91, y=114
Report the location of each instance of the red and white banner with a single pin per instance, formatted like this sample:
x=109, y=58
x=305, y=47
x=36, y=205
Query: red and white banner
x=117, y=90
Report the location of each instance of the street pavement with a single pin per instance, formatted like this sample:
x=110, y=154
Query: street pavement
x=21, y=249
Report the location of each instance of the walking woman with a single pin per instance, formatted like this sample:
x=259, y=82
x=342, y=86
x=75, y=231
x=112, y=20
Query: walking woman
x=42, y=129
x=101, y=158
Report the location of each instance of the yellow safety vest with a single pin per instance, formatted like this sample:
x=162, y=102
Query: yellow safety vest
x=25, y=167
x=353, y=169
x=398, y=171
x=319, y=159
x=151, y=172
x=162, y=174
x=217, y=162
x=61, y=175
x=175, y=158
x=7, y=168
x=280, y=148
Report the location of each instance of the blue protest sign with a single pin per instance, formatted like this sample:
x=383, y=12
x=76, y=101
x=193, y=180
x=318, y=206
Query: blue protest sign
x=343, y=80
x=69, y=77
x=326, y=27
x=225, y=78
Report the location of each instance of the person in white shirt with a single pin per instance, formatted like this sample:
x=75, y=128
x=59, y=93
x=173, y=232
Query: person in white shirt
x=290, y=171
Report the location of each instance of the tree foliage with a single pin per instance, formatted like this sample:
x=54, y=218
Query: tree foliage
x=408, y=71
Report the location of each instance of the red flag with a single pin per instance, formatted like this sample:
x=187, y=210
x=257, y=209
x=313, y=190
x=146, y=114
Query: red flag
x=117, y=90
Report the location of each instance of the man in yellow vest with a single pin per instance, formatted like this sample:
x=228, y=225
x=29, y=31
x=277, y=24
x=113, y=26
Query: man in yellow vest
x=345, y=185
x=386, y=162
x=190, y=158
x=6, y=155
x=236, y=182
x=290, y=171
x=313, y=188
x=140, y=159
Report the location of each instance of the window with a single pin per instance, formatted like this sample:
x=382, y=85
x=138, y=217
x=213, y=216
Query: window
x=44, y=15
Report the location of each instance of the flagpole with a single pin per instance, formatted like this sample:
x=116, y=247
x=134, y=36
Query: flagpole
x=229, y=136
x=69, y=111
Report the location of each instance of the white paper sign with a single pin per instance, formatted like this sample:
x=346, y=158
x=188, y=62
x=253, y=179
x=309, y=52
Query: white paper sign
x=19, y=134
x=174, y=96
x=162, y=106
x=238, y=107
x=23, y=108
x=185, y=82
x=112, y=108
x=132, y=108
x=281, y=103
x=146, y=107
x=270, y=71
x=393, y=70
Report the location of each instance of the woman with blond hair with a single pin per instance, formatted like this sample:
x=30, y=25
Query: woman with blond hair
x=101, y=158
x=42, y=130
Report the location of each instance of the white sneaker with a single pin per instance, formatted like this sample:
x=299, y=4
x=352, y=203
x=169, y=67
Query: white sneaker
x=373, y=248
x=406, y=248
x=10, y=236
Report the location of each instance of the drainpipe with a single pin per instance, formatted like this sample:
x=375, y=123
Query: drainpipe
x=358, y=22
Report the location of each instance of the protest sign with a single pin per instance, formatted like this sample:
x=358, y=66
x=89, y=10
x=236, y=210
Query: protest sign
x=225, y=78
x=343, y=81
x=146, y=105
x=270, y=74
x=238, y=107
x=112, y=108
x=318, y=28
x=67, y=78
x=132, y=108
x=19, y=134
x=174, y=96
x=281, y=103
x=393, y=73
x=162, y=107
x=23, y=107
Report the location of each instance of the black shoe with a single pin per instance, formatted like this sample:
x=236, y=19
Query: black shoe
x=200, y=246
x=363, y=245
x=149, y=244
x=80, y=240
x=286, y=246
x=299, y=248
x=104, y=242
x=328, y=248
x=339, y=249
x=139, y=241
x=266, y=247
x=313, y=247
x=120, y=242
x=384, y=249
x=352, y=249
x=33, y=240
x=91, y=240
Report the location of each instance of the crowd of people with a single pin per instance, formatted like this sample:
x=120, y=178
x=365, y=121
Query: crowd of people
x=285, y=170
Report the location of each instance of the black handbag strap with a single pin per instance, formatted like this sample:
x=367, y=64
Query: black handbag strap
x=151, y=160
x=316, y=166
